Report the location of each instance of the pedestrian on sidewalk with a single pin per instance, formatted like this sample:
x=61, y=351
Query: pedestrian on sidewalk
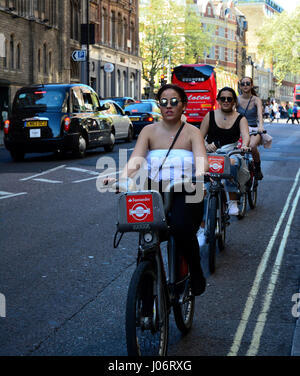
x=295, y=113
x=290, y=115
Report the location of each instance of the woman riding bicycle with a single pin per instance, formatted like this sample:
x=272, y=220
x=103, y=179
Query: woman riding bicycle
x=223, y=128
x=250, y=106
x=188, y=157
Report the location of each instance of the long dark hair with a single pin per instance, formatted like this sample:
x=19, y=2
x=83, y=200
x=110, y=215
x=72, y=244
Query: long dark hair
x=227, y=88
x=253, y=91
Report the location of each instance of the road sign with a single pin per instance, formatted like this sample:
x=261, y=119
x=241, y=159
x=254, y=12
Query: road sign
x=79, y=55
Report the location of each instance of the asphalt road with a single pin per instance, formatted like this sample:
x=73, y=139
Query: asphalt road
x=65, y=285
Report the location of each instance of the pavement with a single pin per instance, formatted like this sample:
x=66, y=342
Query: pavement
x=295, y=351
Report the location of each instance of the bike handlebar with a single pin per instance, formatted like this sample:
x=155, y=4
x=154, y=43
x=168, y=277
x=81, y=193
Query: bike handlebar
x=255, y=133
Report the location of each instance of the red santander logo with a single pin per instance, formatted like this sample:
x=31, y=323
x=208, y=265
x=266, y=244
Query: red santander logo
x=216, y=164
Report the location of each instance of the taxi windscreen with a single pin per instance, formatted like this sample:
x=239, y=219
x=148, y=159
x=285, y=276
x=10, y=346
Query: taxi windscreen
x=40, y=99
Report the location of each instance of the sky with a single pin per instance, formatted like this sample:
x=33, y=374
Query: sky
x=288, y=5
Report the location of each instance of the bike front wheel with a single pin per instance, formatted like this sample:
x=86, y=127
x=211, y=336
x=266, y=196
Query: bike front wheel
x=242, y=205
x=147, y=318
x=252, y=195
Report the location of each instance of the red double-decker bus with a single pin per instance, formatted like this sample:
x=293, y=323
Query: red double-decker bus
x=297, y=97
x=201, y=83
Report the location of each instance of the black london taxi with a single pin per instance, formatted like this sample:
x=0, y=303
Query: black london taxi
x=57, y=117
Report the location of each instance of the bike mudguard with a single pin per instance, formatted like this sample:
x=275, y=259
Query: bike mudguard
x=141, y=211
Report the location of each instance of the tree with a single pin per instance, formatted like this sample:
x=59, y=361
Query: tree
x=171, y=34
x=279, y=43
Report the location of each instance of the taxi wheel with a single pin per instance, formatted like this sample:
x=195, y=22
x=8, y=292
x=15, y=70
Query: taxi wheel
x=17, y=155
x=81, y=147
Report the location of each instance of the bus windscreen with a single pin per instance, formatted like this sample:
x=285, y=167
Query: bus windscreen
x=193, y=74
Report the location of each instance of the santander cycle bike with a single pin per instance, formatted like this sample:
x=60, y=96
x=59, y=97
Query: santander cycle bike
x=154, y=288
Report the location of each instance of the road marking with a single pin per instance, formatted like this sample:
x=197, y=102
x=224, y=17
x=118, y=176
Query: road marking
x=96, y=177
x=255, y=343
x=49, y=181
x=259, y=274
x=43, y=173
x=83, y=170
x=11, y=195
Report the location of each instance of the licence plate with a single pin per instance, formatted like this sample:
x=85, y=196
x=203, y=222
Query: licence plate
x=35, y=133
x=36, y=123
x=135, y=119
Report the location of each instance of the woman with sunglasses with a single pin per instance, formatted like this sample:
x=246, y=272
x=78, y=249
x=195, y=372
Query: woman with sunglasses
x=222, y=129
x=188, y=157
x=250, y=105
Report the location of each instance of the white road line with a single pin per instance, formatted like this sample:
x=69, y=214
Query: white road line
x=96, y=177
x=43, y=173
x=255, y=343
x=5, y=193
x=83, y=170
x=11, y=195
x=259, y=274
x=49, y=181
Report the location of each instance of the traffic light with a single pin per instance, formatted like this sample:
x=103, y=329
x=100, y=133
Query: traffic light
x=163, y=81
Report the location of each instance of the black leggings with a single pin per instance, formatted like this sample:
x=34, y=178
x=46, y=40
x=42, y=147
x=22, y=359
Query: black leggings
x=184, y=220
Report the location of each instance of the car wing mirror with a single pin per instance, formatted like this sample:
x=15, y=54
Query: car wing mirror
x=104, y=106
x=127, y=113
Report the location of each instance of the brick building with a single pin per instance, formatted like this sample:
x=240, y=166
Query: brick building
x=33, y=45
x=227, y=26
x=117, y=46
x=256, y=11
x=37, y=38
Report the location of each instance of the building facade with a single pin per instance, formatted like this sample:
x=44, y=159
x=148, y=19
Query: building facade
x=255, y=12
x=33, y=45
x=37, y=38
x=115, y=64
x=228, y=27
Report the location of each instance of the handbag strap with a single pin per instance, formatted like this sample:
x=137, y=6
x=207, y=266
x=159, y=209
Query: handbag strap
x=171, y=147
x=248, y=105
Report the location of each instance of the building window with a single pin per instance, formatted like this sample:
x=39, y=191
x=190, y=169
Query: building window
x=18, y=56
x=45, y=58
x=12, y=52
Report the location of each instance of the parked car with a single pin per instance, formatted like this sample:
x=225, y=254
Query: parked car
x=47, y=118
x=122, y=101
x=142, y=114
x=122, y=125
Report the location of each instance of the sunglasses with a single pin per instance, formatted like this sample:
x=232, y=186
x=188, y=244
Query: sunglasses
x=228, y=99
x=173, y=102
x=246, y=83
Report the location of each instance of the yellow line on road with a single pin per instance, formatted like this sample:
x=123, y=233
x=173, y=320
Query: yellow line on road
x=259, y=275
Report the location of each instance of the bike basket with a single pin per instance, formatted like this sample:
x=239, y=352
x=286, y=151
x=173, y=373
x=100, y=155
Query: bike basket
x=219, y=164
x=141, y=211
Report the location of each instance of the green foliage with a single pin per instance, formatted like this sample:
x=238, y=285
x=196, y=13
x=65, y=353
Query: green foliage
x=280, y=43
x=170, y=34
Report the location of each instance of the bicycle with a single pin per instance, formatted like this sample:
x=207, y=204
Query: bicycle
x=217, y=217
x=252, y=184
x=153, y=290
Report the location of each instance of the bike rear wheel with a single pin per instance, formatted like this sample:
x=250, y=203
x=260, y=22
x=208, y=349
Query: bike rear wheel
x=147, y=319
x=211, y=233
